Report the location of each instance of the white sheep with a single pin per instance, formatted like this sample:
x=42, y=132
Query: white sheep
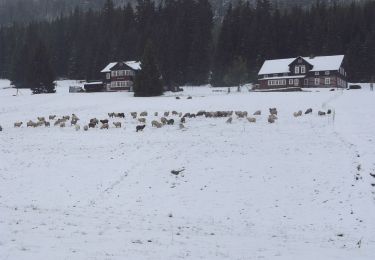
x=156, y=124
x=117, y=124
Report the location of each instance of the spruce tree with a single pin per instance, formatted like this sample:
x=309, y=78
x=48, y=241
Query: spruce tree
x=40, y=76
x=148, y=80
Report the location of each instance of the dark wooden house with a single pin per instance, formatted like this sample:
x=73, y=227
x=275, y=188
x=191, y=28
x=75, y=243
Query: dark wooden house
x=119, y=76
x=304, y=72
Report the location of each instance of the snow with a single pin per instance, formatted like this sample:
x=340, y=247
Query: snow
x=249, y=191
x=320, y=63
x=135, y=65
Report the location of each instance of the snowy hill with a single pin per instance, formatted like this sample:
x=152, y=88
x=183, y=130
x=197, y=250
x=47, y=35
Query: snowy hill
x=297, y=189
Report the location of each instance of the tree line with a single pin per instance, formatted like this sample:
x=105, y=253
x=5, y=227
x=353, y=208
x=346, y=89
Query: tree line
x=189, y=47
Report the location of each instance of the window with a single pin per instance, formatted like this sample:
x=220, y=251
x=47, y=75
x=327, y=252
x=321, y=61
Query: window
x=296, y=70
x=303, y=69
x=265, y=76
x=316, y=73
x=317, y=81
x=296, y=82
x=285, y=74
x=299, y=60
x=290, y=81
x=306, y=82
x=327, y=81
x=108, y=75
x=327, y=72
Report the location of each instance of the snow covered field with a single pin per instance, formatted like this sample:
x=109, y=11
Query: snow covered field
x=297, y=189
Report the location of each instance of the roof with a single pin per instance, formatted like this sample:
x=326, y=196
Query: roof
x=320, y=63
x=285, y=77
x=135, y=65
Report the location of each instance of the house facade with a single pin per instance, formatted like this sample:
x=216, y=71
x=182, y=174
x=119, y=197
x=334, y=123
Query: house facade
x=304, y=72
x=119, y=76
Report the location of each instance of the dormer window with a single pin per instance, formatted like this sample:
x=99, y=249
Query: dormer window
x=299, y=60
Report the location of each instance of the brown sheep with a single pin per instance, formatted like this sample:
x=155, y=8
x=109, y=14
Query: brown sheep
x=166, y=114
x=174, y=113
x=52, y=117
x=41, y=119
x=273, y=111
x=104, y=121
x=133, y=114
x=143, y=114
x=321, y=113
x=111, y=115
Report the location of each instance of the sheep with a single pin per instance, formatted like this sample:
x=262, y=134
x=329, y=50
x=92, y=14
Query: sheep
x=308, y=111
x=92, y=125
x=74, y=121
x=62, y=125
x=187, y=115
x=120, y=115
x=189, y=97
x=181, y=126
x=321, y=113
x=66, y=118
x=273, y=111
x=201, y=113
x=74, y=117
x=39, y=123
x=257, y=113
x=251, y=119
x=170, y=122
x=140, y=127
x=183, y=120
x=180, y=114
x=18, y=124
x=105, y=126
x=229, y=121
x=177, y=97
x=156, y=124
x=297, y=114
x=272, y=116
x=52, y=117
x=47, y=124
x=163, y=120
x=86, y=127
x=117, y=124
x=104, y=121
x=143, y=114
x=58, y=121
x=174, y=113
x=156, y=114
x=142, y=120
x=192, y=116
x=133, y=114
x=166, y=114
x=1, y=129
x=111, y=115
x=94, y=120
x=77, y=127
x=329, y=112
x=271, y=120
x=41, y=119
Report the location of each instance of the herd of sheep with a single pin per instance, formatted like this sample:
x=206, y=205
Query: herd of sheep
x=165, y=119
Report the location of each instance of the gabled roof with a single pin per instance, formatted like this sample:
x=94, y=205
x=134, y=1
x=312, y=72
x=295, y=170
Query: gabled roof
x=320, y=63
x=135, y=65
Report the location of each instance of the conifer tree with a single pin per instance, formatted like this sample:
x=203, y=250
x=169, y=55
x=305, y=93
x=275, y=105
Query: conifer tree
x=148, y=80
